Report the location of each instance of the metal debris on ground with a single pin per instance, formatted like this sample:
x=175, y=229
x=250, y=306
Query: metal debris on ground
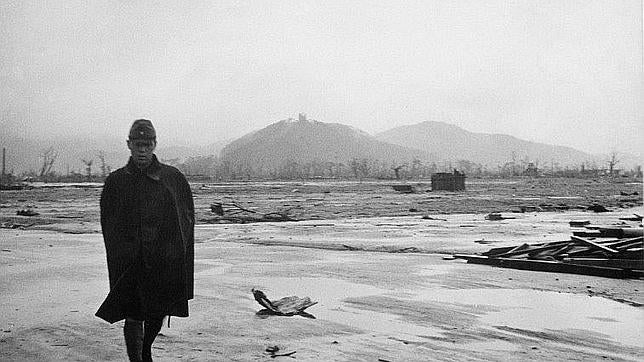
x=495, y=216
x=10, y=225
x=27, y=212
x=597, y=208
x=405, y=189
x=287, y=306
x=427, y=217
x=614, y=252
x=274, y=352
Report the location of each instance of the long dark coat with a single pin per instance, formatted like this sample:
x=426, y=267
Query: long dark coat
x=151, y=270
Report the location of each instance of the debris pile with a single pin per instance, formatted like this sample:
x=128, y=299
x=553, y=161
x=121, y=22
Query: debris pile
x=27, y=212
x=495, y=216
x=606, y=251
x=233, y=213
x=275, y=351
x=405, y=189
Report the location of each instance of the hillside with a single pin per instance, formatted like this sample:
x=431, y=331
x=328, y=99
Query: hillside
x=304, y=141
x=451, y=143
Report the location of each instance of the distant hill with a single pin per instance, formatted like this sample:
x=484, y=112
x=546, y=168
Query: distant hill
x=305, y=141
x=447, y=142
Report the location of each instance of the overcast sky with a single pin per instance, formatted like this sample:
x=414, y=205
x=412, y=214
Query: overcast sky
x=561, y=72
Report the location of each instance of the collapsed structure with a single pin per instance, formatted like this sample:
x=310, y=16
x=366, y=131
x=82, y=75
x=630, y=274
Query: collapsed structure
x=448, y=181
x=613, y=252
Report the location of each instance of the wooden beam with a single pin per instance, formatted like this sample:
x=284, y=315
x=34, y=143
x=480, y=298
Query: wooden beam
x=598, y=246
x=549, y=266
x=550, y=246
x=612, y=263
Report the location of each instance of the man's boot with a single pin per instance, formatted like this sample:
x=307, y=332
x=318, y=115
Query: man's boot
x=133, y=332
x=152, y=328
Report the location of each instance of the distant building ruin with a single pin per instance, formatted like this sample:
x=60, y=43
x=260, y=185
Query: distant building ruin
x=531, y=170
x=302, y=117
x=448, y=181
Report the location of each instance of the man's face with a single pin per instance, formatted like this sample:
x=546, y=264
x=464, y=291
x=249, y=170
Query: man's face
x=142, y=151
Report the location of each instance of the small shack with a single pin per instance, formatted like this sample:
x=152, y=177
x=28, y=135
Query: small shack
x=448, y=181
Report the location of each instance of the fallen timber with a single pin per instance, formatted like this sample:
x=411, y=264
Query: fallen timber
x=614, y=253
x=233, y=213
x=551, y=266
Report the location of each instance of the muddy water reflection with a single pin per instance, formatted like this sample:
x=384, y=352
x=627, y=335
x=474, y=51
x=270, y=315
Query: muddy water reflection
x=542, y=310
x=515, y=308
x=329, y=294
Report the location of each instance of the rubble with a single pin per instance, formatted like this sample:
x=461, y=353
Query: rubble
x=613, y=252
x=405, y=189
x=233, y=213
x=495, y=216
x=27, y=212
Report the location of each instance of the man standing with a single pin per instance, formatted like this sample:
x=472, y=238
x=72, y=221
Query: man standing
x=147, y=218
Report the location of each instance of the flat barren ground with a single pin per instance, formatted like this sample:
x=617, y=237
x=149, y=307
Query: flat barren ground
x=372, y=258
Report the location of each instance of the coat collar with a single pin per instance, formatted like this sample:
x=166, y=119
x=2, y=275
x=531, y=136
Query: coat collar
x=152, y=171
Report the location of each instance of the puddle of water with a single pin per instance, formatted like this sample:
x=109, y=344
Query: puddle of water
x=542, y=310
x=330, y=293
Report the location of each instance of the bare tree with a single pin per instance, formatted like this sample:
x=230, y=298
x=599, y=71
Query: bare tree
x=48, y=157
x=105, y=169
x=612, y=162
x=88, y=168
x=397, y=170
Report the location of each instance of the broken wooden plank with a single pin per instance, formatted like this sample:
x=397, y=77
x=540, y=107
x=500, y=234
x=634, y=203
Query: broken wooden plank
x=587, y=233
x=620, y=232
x=517, y=248
x=549, y=266
x=551, y=253
x=612, y=263
x=549, y=246
x=596, y=245
x=625, y=244
x=632, y=232
x=586, y=252
x=635, y=217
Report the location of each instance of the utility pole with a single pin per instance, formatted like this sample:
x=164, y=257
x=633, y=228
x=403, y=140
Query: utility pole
x=4, y=156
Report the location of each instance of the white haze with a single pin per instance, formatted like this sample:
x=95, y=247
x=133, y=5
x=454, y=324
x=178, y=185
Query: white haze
x=555, y=71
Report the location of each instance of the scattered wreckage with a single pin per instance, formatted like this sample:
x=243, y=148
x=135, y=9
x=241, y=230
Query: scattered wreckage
x=605, y=251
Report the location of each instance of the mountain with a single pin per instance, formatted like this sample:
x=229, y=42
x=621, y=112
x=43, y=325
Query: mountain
x=447, y=142
x=304, y=141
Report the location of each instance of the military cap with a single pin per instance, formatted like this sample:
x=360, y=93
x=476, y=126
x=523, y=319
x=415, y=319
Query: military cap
x=142, y=129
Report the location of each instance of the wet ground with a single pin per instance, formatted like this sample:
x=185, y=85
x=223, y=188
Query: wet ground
x=382, y=286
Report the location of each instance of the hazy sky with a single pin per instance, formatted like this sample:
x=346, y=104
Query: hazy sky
x=561, y=71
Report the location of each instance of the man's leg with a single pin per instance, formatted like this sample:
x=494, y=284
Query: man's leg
x=152, y=328
x=133, y=332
